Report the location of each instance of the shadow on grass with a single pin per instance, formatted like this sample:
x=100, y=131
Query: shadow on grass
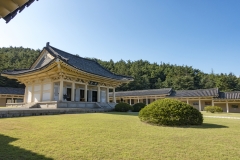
x=8, y=151
x=209, y=126
x=123, y=113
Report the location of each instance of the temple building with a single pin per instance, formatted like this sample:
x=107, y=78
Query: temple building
x=60, y=79
x=200, y=98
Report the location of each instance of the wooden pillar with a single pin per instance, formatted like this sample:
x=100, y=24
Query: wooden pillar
x=51, y=91
x=212, y=103
x=200, y=105
x=138, y=99
x=41, y=92
x=227, y=107
x=130, y=101
x=146, y=101
x=85, y=92
x=187, y=101
x=107, y=95
x=98, y=94
x=60, y=98
x=73, y=92
x=25, y=94
x=114, y=96
x=32, y=93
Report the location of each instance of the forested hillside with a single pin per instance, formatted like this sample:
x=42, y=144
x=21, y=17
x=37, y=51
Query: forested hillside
x=147, y=75
x=15, y=58
x=152, y=75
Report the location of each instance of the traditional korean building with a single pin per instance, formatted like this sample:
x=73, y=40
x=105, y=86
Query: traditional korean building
x=200, y=98
x=60, y=79
x=11, y=95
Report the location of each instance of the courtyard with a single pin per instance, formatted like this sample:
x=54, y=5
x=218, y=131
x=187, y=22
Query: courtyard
x=117, y=136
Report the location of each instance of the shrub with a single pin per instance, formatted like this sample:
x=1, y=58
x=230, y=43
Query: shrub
x=123, y=107
x=138, y=106
x=213, y=109
x=170, y=112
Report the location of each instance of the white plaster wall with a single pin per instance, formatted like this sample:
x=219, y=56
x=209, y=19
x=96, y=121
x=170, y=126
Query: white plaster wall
x=36, y=97
x=37, y=87
x=36, y=94
x=103, y=96
x=56, y=92
x=46, y=96
x=89, y=95
x=47, y=86
x=77, y=97
x=29, y=94
x=46, y=93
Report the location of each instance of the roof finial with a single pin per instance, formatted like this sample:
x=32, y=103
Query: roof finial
x=47, y=45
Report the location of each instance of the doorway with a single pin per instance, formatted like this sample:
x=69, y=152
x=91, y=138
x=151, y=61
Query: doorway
x=94, y=96
x=82, y=96
x=69, y=92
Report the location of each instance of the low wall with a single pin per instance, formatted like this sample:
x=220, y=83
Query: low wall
x=15, y=112
x=55, y=104
x=15, y=105
x=50, y=104
x=77, y=105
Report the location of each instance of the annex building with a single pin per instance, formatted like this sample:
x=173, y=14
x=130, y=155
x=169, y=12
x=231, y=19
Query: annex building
x=58, y=79
x=11, y=95
x=228, y=101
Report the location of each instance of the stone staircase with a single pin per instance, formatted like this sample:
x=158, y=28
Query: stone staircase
x=107, y=106
x=31, y=105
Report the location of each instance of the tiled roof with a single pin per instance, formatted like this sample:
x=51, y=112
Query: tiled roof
x=213, y=92
x=83, y=64
x=23, y=71
x=8, y=90
x=10, y=8
x=229, y=95
x=163, y=91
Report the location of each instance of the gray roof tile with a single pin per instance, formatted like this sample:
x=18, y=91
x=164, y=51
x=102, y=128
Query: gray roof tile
x=213, y=92
x=86, y=65
x=163, y=91
x=9, y=90
x=229, y=95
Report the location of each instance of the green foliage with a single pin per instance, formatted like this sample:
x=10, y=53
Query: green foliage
x=170, y=112
x=138, y=106
x=123, y=107
x=213, y=109
x=152, y=76
x=15, y=58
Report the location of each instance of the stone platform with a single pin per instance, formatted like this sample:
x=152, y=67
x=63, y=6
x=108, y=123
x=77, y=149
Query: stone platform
x=21, y=112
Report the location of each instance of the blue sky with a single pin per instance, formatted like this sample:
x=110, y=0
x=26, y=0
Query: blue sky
x=204, y=34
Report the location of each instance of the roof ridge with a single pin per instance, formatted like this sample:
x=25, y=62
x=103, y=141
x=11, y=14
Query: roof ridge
x=146, y=90
x=196, y=89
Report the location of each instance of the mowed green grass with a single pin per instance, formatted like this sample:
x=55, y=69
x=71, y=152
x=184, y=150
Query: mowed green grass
x=115, y=136
x=223, y=114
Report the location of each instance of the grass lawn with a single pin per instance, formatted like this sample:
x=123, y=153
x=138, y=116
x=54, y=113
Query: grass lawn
x=223, y=114
x=115, y=136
